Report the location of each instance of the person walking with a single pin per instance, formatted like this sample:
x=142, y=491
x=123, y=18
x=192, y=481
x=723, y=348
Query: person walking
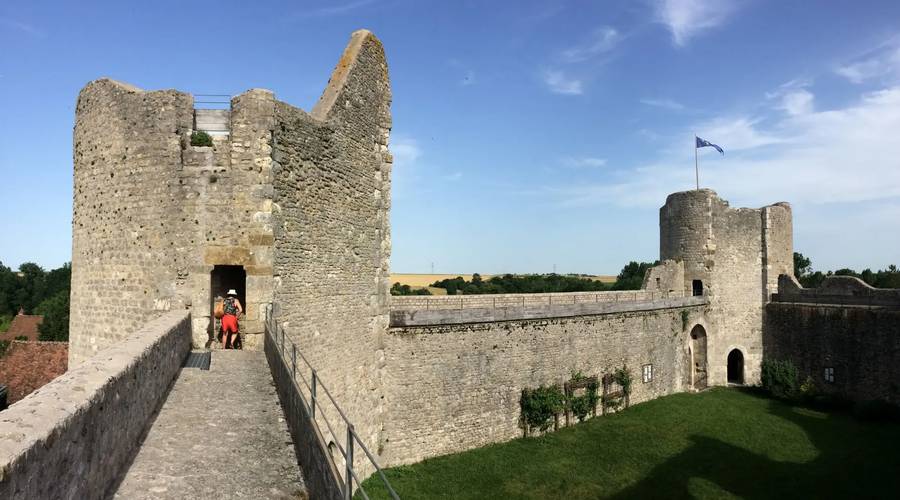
x=233, y=309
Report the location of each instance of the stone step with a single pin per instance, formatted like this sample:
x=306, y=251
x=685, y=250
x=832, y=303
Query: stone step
x=213, y=121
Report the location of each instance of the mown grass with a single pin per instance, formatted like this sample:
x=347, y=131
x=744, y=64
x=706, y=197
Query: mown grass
x=722, y=443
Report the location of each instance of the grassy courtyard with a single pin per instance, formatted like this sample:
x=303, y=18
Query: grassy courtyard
x=723, y=443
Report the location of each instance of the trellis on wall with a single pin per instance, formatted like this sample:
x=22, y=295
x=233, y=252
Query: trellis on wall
x=576, y=399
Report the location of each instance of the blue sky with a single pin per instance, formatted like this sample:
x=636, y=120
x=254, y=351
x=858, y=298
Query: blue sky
x=527, y=134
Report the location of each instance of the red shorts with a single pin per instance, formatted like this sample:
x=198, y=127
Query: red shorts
x=229, y=323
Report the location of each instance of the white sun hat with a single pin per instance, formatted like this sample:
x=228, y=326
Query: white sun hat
x=231, y=292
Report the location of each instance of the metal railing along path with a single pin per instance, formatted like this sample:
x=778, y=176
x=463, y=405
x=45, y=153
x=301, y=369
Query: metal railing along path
x=289, y=355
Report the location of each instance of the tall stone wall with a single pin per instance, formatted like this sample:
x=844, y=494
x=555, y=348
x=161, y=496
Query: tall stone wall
x=125, y=264
x=738, y=255
x=844, y=325
x=450, y=388
x=153, y=214
x=332, y=237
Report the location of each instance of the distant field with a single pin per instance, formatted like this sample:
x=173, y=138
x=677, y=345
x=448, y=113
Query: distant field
x=424, y=280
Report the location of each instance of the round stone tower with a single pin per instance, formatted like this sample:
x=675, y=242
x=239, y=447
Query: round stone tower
x=734, y=257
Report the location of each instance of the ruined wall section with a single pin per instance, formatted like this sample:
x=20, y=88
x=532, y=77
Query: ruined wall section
x=667, y=277
x=734, y=252
x=450, y=388
x=153, y=214
x=845, y=326
x=126, y=216
x=332, y=239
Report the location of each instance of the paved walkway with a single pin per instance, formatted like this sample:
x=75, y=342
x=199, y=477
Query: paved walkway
x=220, y=434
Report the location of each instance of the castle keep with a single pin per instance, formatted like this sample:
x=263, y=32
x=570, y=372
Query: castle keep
x=291, y=208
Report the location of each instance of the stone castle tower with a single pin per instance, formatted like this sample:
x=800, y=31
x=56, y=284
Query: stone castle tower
x=734, y=257
x=286, y=206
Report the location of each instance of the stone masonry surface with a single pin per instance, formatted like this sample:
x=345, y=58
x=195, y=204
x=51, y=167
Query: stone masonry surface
x=243, y=451
x=561, y=309
x=299, y=200
x=738, y=254
x=332, y=235
x=455, y=387
x=72, y=438
x=153, y=214
x=822, y=328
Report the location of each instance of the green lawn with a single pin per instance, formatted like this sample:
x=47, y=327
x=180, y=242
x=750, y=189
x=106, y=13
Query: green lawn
x=722, y=443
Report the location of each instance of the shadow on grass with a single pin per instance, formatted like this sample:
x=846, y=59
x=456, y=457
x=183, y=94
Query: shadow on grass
x=851, y=462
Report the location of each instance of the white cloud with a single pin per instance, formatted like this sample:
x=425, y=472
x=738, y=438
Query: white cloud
x=584, y=162
x=844, y=155
x=799, y=102
x=455, y=176
x=559, y=83
x=884, y=62
x=792, y=97
x=688, y=18
x=405, y=150
x=663, y=103
x=602, y=40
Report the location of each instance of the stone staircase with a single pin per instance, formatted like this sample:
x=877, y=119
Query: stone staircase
x=215, y=122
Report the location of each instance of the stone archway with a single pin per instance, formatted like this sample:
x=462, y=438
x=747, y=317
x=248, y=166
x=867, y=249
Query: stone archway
x=736, y=367
x=698, y=358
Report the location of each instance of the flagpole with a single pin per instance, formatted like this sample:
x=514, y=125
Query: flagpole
x=696, y=166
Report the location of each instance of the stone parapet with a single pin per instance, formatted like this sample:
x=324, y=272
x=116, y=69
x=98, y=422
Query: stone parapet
x=72, y=438
x=505, y=300
x=836, y=290
x=647, y=302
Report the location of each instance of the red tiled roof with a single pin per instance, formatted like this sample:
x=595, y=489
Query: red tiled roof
x=28, y=366
x=23, y=324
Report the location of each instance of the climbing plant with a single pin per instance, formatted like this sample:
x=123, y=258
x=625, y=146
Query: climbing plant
x=624, y=379
x=580, y=406
x=540, y=406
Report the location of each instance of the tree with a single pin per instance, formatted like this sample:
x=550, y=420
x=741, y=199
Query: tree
x=55, y=310
x=8, y=286
x=632, y=275
x=31, y=287
x=802, y=266
x=401, y=289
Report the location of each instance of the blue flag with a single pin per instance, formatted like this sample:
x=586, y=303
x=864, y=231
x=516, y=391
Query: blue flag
x=703, y=143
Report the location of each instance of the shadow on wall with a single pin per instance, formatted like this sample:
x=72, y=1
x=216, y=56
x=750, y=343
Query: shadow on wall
x=716, y=468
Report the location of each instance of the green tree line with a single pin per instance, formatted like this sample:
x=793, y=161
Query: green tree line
x=630, y=278
x=884, y=278
x=37, y=291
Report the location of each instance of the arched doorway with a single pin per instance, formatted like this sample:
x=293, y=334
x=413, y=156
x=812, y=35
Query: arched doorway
x=698, y=357
x=735, y=367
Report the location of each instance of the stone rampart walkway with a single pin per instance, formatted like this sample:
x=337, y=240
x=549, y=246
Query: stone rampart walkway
x=220, y=434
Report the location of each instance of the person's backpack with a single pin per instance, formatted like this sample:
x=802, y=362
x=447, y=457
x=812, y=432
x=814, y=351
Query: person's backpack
x=219, y=310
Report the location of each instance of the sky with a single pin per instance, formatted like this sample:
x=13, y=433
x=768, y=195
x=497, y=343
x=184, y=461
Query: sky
x=529, y=136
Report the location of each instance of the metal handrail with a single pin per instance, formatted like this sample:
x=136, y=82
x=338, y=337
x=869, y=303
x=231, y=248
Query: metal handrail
x=352, y=438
